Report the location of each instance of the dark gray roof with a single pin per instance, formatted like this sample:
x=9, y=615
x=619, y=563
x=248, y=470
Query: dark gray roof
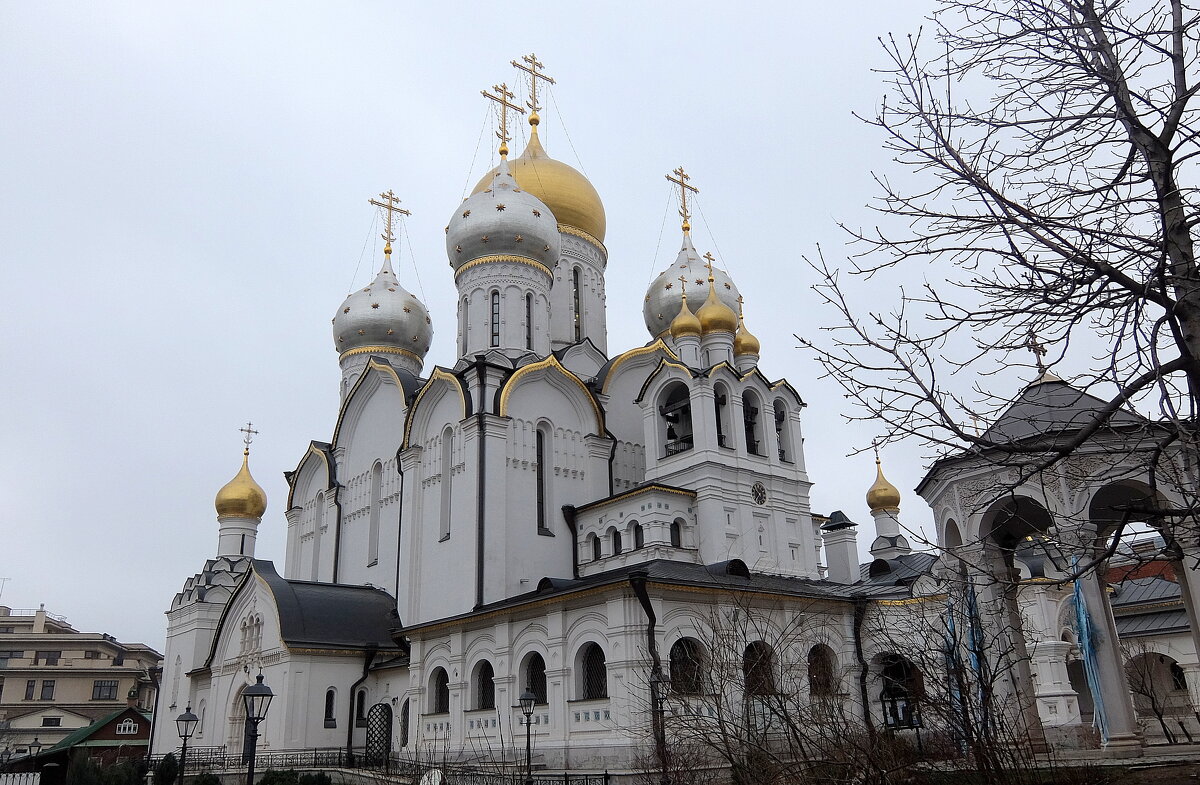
x=730, y=576
x=1051, y=407
x=1141, y=591
x=331, y=615
x=900, y=571
x=1152, y=623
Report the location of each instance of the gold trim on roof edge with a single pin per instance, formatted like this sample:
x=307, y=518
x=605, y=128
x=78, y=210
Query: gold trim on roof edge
x=438, y=374
x=550, y=362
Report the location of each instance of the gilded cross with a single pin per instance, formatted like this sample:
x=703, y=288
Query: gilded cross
x=390, y=203
x=533, y=68
x=1039, y=351
x=503, y=96
x=683, y=286
x=681, y=180
x=709, y=263
x=248, y=434
x=741, y=308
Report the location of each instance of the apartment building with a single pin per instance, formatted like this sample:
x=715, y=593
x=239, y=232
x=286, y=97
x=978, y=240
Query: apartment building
x=55, y=679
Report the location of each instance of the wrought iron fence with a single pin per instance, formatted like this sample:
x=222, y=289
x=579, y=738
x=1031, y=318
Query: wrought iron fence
x=204, y=759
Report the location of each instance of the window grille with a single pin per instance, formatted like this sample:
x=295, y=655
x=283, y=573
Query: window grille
x=575, y=298
x=822, y=680
x=360, y=709
x=330, y=716
x=595, y=673
x=758, y=669
x=687, y=667
x=529, y=321
x=441, y=691
x=404, y=723
x=485, y=686
x=495, y=318
x=535, y=678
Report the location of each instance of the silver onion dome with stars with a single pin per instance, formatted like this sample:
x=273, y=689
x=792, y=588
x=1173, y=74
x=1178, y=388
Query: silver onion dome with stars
x=383, y=315
x=503, y=220
x=663, y=297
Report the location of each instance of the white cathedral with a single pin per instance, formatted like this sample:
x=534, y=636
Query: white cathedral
x=541, y=514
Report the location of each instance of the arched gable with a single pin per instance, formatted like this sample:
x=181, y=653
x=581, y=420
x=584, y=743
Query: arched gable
x=429, y=400
x=666, y=371
x=251, y=597
x=641, y=357
x=583, y=359
x=315, y=472
x=557, y=377
x=379, y=386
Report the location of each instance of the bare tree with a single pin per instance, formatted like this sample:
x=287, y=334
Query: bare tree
x=1050, y=151
x=1156, y=682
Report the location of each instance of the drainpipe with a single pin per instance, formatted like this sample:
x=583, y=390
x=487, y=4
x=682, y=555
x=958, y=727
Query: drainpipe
x=860, y=613
x=612, y=457
x=354, y=703
x=637, y=581
x=337, y=529
x=480, y=505
x=568, y=511
x=399, y=527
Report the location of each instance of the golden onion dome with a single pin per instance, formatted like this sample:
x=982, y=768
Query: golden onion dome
x=242, y=497
x=569, y=195
x=685, y=322
x=745, y=342
x=882, y=495
x=714, y=315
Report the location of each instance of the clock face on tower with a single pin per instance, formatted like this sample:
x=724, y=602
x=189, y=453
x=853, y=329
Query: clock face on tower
x=759, y=493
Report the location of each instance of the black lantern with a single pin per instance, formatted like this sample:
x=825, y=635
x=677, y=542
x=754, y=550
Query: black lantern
x=257, y=698
x=186, y=723
x=35, y=747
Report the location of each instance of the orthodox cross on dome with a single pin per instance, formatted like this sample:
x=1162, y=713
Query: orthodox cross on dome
x=1039, y=351
x=390, y=203
x=248, y=434
x=534, y=69
x=742, y=317
x=681, y=180
x=683, y=287
x=503, y=97
x=709, y=259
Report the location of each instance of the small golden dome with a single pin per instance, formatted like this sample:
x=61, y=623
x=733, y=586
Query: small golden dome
x=685, y=323
x=714, y=315
x=568, y=194
x=744, y=342
x=882, y=495
x=242, y=497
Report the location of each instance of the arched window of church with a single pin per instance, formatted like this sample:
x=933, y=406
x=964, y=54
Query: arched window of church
x=447, y=481
x=675, y=411
x=495, y=318
x=687, y=667
x=201, y=711
x=758, y=669
x=576, y=304
x=404, y=723
x=375, y=512
x=529, y=321
x=597, y=551
x=540, y=479
x=485, y=686
x=721, y=410
x=591, y=673
x=439, y=692
x=330, y=714
x=822, y=671
x=465, y=326
x=615, y=536
x=360, y=709
x=318, y=524
x=750, y=416
x=783, y=434
x=676, y=534
x=535, y=677
x=639, y=536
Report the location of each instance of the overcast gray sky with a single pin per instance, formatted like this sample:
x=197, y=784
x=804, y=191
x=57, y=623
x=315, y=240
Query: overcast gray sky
x=183, y=205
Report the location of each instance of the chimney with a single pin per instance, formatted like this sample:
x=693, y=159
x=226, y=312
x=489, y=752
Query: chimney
x=840, y=539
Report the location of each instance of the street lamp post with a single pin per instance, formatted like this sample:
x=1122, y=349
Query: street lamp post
x=528, y=699
x=35, y=749
x=257, y=699
x=186, y=724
